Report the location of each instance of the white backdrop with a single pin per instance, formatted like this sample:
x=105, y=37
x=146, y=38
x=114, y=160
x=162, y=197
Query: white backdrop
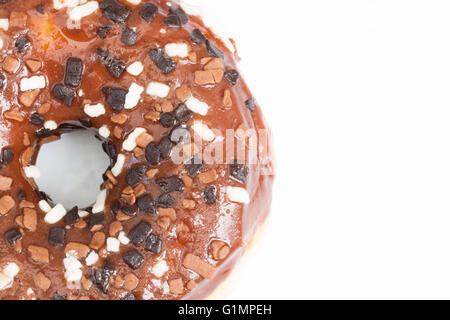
x=357, y=94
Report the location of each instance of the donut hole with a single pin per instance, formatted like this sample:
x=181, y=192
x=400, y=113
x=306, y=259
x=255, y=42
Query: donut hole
x=72, y=168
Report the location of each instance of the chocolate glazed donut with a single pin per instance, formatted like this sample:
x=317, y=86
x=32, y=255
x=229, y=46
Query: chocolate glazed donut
x=190, y=176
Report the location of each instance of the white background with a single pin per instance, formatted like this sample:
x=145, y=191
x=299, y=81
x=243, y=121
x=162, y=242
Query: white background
x=357, y=94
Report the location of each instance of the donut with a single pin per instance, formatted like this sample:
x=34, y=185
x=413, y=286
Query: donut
x=191, y=166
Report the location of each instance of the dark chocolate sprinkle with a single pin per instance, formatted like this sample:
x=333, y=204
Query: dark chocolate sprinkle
x=153, y=244
x=129, y=36
x=110, y=150
x=135, y=175
x=101, y=277
x=40, y=8
x=163, y=62
x=2, y=80
x=165, y=147
x=210, y=195
x=165, y=201
x=180, y=134
x=56, y=237
x=59, y=297
x=182, y=113
x=152, y=154
x=115, y=207
x=116, y=67
x=250, y=104
x=72, y=216
x=139, y=233
x=130, y=210
x=102, y=32
x=115, y=97
x=7, y=155
x=22, y=44
x=213, y=51
x=148, y=12
x=145, y=204
x=86, y=122
x=22, y=195
x=43, y=133
x=176, y=17
x=167, y=120
x=97, y=219
x=170, y=184
x=43, y=196
x=12, y=236
x=37, y=119
x=102, y=55
x=232, y=76
x=193, y=167
x=128, y=297
x=133, y=259
x=239, y=171
x=198, y=37
x=115, y=11
x=74, y=72
x=63, y=93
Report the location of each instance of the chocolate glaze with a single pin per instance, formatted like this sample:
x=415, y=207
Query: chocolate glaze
x=52, y=42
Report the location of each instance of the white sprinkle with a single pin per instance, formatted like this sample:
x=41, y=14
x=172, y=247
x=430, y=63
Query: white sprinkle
x=80, y=93
x=32, y=172
x=130, y=143
x=78, y=13
x=117, y=169
x=56, y=214
x=177, y=50
x=197, y=106
x=11, y=270
x=104, y=131
x=60, y=4
x=158, y=89
x=123, y=238
x=50, y=125
x=112, y=245
x=94, y=110
x=134, y=2
x=44, y=206
x=73, y=269
x=32, y=83
x=192, y=9
x=1, y=43
x=203, y=131
x=237, y=194
x=91, y=259
x=133, y=96
x=4, y=24
x=160, y=268
x=83, y=213
x=163, y=31
x=135, y=68
x=5, y=281
x=99, y=205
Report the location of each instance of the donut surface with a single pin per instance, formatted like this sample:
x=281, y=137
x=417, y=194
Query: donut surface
x=178, y=205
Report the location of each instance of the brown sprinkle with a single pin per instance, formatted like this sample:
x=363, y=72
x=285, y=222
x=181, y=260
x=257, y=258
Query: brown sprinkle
x=164, y=222
x=189, y=204
x=138, y=152
x=42, y=282
x=144, y=139
x=183, y=93
x=187, y=181
x=152, y=115
x=120, y=118
x=18, y=19
x=227, y=102
x=33, y=65
x=98, y=240
x=86, y=283
x=6, y=204
x=117, y=132
x=199, y=266
x=29, y=97
x=131, y=282
x=81, y=224
x=30, y=219
x=39, y=254
x=208, y=176
x=152, y=173
x=10, y=64
x=219, y=250
x=214, y=64
x=26, y=156
x=26, y=204
x=80, y=248
x=14, y=114
x=168, y=212
x=139, y=190
x=5, y=183
x=18, y=246
x=118, y=281
x=191, y=285
x=114, y=228
x=26, y=139
x=167, y=106
x=19, y=221
x=176, y=286
x=43, y=109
